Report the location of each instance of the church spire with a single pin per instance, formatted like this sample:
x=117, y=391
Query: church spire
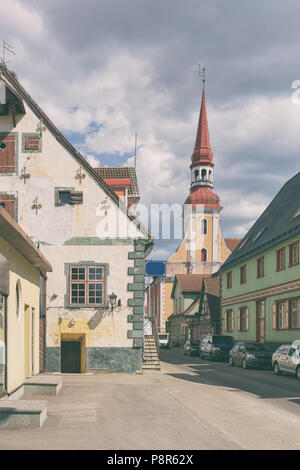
x=202, y=152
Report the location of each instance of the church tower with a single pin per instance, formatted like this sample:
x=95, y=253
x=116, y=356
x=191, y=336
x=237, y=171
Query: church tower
x=203, y=249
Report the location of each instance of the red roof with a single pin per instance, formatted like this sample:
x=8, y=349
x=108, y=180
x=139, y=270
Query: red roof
x=232, y=243
x=204, y=196
x=118, y=181
x=191, y=282
x=202, y=151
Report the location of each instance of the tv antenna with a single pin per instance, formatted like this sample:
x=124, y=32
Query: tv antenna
x=135, y=147
x=9, y=48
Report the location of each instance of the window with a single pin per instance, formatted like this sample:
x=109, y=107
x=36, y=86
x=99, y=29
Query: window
x=7, y=201
x=229, y=320
x=260, y=267
x=32, y=143
x=243, y=274
x=203, y=174
x=294, y=254
x=243, y=319
x=294, y=313
x=203, y=255
x=87, y=285
x=7, y=153
x=259, y=234
x=196, y=174
x=229, y=280
x=203, y=229
x=68, y=196
x=282, y=316
x=243, y=243
x=280, y=259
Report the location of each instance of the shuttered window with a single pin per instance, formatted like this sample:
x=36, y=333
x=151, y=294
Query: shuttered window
x=7, y=201
x=31, y=143
x=7, y=153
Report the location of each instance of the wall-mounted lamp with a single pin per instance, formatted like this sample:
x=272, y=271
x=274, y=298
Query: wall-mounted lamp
x=71, y=322
x=112, y=301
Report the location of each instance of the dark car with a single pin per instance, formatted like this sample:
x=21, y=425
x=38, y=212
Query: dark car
x=251, y=355
x=191, y=348
x=216, y=347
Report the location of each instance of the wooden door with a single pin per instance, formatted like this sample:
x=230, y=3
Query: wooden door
x=71, y=356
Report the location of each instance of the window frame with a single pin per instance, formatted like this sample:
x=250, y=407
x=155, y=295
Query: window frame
x=229, y=320
x=291, y=246
x=229, y=280
x=278, y=259
x=260, y=267
x=243, y=274
x=87, y=281
x=25, y=135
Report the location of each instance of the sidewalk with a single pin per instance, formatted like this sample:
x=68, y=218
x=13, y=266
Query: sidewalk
x=117, y=412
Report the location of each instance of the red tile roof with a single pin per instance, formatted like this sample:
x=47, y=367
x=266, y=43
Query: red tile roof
x=191, y=282
x=232, y=243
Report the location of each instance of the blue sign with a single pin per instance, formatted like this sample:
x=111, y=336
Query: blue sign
x=155, y=268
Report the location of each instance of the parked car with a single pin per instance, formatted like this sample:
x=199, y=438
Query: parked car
x=191, y=348
x=216, y=346
x=250, y=355
x=163, y=340
x=287, y=359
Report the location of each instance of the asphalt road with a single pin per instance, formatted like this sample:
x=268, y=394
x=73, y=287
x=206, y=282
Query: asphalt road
x=283, y=390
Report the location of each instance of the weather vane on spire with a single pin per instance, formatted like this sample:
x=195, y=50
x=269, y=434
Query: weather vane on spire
x=202, y=74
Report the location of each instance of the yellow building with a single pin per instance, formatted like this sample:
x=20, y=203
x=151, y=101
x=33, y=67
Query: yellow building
x=21, y=268
x=203, y=249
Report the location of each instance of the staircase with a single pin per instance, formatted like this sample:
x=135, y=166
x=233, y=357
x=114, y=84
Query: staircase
x=151, y=359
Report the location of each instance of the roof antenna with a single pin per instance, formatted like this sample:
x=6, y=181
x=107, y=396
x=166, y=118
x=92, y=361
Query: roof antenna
x=10, y=49
x=135, y=147
x=202, y=74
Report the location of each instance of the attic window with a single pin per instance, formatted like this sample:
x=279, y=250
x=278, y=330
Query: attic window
x=32, y=143
x=243, y=243
x=259, y=234
x=69, y=197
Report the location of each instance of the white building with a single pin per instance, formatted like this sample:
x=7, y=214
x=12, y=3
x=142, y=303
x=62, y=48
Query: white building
x=94, y=244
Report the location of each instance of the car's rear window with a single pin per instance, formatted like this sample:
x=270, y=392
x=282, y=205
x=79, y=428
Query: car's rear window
x=223, y=340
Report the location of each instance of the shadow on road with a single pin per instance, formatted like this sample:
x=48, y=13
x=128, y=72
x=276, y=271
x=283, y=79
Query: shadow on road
x=262, y=383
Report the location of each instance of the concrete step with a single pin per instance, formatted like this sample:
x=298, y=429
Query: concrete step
x=43, y=385
x=15, y=414
x=150, y=366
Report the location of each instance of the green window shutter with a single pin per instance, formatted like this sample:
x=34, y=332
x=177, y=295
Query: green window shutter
x=274, y=316
x=286, y=314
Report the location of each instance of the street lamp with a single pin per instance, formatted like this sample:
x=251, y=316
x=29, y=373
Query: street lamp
x=112, y=301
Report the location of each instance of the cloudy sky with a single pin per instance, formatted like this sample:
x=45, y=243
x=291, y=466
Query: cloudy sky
x=106, y=69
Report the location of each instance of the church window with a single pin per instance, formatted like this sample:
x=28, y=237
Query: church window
x=203, y=255
x=203, y=174
x=203, y=226
x=196, y=174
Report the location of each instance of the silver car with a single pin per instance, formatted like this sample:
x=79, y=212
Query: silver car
x=287, y=359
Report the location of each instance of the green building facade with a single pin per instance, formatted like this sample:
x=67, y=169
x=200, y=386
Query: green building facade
x=260, y=281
